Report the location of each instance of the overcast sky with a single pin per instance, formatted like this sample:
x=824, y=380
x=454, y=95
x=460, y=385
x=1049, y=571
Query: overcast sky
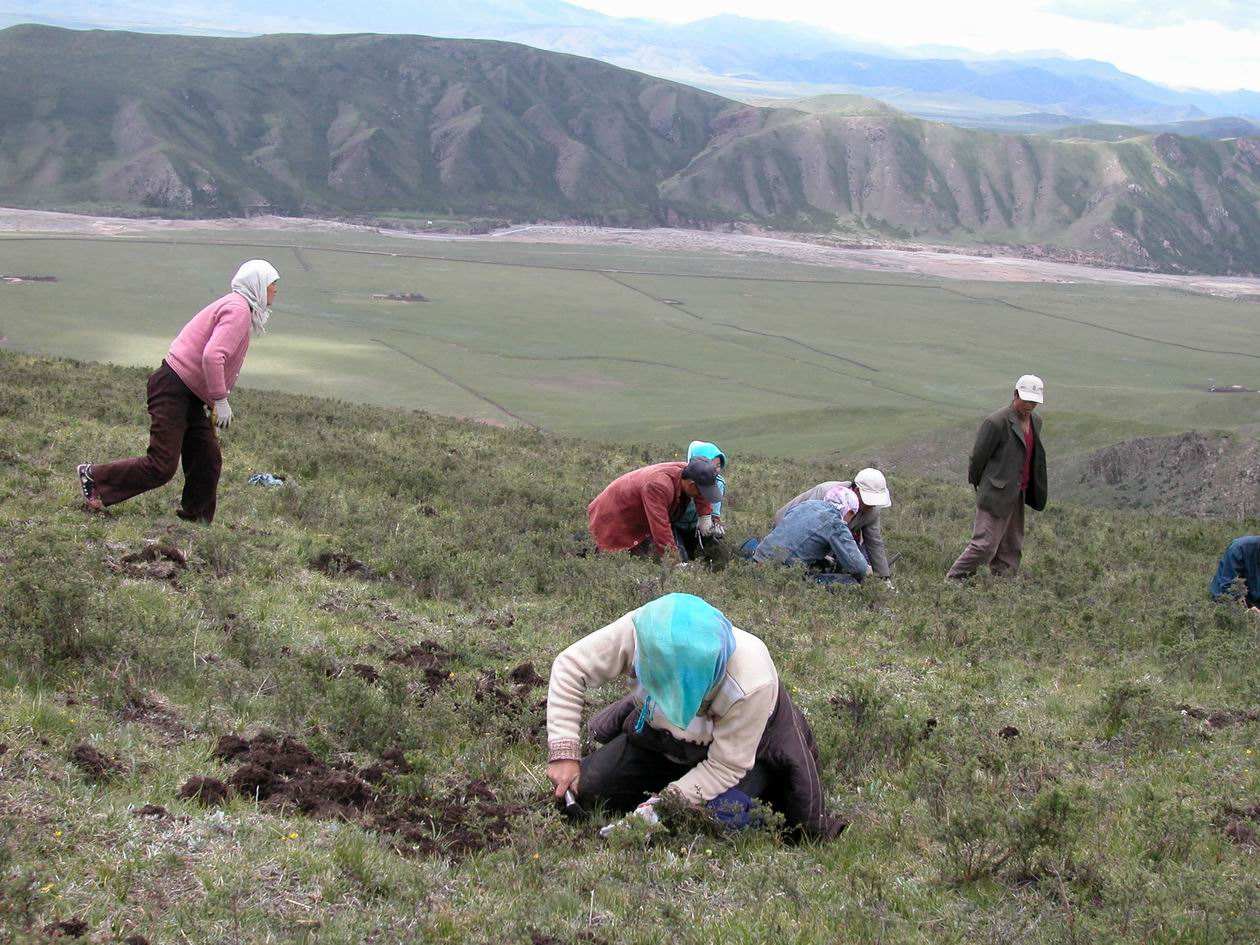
x=1201, y=43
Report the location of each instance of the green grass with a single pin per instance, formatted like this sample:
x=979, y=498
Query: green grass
x=1102, y=821
x=766, y=356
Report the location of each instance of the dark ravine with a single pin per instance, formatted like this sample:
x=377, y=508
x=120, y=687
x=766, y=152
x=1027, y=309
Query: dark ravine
x=359, y=126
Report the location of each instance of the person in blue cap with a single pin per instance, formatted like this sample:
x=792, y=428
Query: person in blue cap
x=708, y=720
x=693, y=532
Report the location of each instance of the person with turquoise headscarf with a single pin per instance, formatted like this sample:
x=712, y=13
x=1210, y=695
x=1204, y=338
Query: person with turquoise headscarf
x=691, y=529
x=707, y=721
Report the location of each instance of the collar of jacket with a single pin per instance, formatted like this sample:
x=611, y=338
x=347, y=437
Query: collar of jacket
x=1013, y=419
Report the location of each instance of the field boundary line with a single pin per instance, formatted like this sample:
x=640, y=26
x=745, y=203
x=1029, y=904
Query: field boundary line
x=734, y=327
x=460, y=384
x=488, y=353
x=1088, y=324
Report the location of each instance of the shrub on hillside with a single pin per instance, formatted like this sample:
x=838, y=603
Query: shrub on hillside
x=47, y=612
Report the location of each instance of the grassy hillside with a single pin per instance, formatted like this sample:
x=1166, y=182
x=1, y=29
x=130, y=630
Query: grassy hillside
x=622, y=343
x=405, y=124
x=1057, y=759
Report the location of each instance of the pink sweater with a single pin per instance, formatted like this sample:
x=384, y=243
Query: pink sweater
x=209, y=351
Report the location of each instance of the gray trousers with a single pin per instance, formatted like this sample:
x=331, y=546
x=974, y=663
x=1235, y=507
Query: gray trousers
x=997, y=542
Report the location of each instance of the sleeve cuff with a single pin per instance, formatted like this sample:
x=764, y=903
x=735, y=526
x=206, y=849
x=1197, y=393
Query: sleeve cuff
x=564, y=749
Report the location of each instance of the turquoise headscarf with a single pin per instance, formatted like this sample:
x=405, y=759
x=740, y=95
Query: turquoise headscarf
x=683, y=647
x=703, y=450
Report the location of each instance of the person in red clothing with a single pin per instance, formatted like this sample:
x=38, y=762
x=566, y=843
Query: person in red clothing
x=188, y=399
x=634, y=513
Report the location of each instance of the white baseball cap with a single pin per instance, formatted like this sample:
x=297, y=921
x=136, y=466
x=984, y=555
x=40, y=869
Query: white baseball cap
x=873, y=488
x=1031, y=388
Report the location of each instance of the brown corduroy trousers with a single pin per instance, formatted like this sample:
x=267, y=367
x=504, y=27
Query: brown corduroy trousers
x=179, y=428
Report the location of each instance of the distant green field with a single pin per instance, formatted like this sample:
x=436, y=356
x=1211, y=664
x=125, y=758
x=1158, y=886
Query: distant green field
x=630, y=345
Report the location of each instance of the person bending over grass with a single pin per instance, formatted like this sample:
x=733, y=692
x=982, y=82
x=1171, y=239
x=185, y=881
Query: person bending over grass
x=816, y=534
x=708, y=721
x=636, y=511
x=1008, y=471
x=687, y=533
x=1241, y=561
x=873, y=497
x=188, y=399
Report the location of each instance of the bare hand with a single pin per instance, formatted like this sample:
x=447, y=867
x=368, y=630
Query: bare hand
x=564, y=775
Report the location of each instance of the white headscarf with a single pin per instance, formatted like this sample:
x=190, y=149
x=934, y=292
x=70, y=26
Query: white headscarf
x=251, y=282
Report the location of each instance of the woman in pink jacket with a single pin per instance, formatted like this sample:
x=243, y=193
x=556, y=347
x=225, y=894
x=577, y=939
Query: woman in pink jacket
x=188, y=398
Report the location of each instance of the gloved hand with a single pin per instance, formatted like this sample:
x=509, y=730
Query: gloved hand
x=705, y=525
x=645, y=812
x=892, y=589
x=719, y=530
x=222, y=413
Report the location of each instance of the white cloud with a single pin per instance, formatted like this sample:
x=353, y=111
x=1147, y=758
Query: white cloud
x=1211, y=44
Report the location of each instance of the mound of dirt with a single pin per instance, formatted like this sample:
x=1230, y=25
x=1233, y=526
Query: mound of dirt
x=66, y=928
x=1220, y=718
x=284, y=773
x=1187, y=474
x=1240, y=825
x=431, y=657
x=340, y=564
x=208, y=791
x=94, y=764
x=156, y=560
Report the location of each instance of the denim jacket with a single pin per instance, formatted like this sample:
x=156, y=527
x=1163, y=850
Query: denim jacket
x=808, y=533
x=1241, y=560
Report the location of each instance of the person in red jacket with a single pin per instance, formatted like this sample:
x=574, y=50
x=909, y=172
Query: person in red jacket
x=188, y=399
x=634, y=513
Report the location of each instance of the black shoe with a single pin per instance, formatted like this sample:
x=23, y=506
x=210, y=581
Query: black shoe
x=90, y=498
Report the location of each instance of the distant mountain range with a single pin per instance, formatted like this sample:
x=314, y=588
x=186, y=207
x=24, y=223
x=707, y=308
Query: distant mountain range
x=337, y=125
x=728, y=54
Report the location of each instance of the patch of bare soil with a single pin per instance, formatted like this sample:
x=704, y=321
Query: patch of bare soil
x=93, y=763
x=431, y=658
x=1186, y=474
x=398, y=297
x=66, y=928
x=340, y=564
x=283, y=773
x=1242, y=825
x=156, y=560
x=151, y=710
x=19, y=280
x=1220, y=718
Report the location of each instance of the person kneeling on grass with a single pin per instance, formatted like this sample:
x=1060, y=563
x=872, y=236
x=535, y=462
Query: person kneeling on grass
x=708, y=721
x=816, y=534
x=636, y=511
x=1241, y=561
x=873, y=497
x=188, y=399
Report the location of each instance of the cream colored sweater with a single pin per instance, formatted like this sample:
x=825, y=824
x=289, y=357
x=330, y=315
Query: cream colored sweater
x=730, y=721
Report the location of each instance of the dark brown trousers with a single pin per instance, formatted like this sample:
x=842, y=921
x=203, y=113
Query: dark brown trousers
x=631, y=765
x=179, y=428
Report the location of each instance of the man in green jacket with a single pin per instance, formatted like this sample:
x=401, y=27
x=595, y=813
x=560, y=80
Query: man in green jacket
x=1008, y=471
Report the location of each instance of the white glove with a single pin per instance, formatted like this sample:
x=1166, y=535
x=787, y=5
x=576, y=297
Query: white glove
x=222, y=413
x=719, y=530
x=645, y=812
x=705, y=525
